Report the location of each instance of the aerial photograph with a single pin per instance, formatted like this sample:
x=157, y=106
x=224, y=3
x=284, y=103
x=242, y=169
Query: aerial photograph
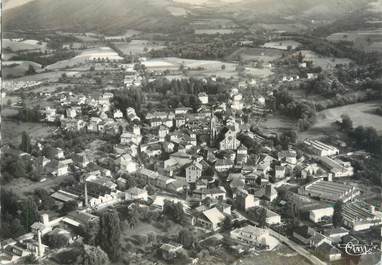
x=200, y=132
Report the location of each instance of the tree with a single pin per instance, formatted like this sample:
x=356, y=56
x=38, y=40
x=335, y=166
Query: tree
x=110, y=233
x=30, y=70
x=43, y=199
x=337, y=215
x=186, y=238
x=26, y=145
x=94, y=256
x=174, y=211
x=29, y=213
x=347, y=123
x=227, y=224
x=56, y=240
x=223, y=66
x=262, y=217
x=90, y=232
x=69, y=206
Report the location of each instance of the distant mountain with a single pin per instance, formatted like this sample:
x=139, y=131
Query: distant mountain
x=89, y=15
x=117, y=15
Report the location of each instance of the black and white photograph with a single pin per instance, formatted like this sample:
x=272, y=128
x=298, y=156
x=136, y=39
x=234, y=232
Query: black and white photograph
x=191, y=132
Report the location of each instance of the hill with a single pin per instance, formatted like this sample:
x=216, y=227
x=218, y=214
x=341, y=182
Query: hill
x=111, y=16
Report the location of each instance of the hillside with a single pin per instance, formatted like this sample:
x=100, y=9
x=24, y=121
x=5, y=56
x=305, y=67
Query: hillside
x=90, y=15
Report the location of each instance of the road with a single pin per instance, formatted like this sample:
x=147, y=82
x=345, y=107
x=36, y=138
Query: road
x=300, y=250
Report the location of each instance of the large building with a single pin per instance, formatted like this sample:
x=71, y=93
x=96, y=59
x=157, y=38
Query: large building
x=337, y=167
x=254, y=236
x=329, y=191
x=359, y=215
x=319, y=148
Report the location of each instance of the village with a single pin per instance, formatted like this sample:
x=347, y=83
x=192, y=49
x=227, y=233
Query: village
x=218, y=137
x=202, y=167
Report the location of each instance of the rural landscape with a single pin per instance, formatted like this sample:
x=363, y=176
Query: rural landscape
x=211, y=132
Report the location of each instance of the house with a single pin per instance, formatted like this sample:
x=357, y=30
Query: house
x=135, y=193
x=59, y=167
x=214, y=193
x=180, y=120
x=93, y=124
x=272, y=218
x=318, y=214
x=229, y=142
x=289, y=157
x=211, y=219
x=118, y=114
x=254, y=236
x=169, y=250
x=222, y=165
x=203, y=98
x=309, y=236
x=163, y=130
x=193, y=172
x=245, y=201
x=127, y=163
x=182, y=110
x=280, y=172
x=335, y=234
x=310, y=170
x=328, y=252
x=81, y=159
x=163, y=181
x=270, y=192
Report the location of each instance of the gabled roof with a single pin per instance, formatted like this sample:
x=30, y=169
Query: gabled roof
x=214, y=215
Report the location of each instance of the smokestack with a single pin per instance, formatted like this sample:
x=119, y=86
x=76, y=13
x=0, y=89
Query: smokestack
x=40, y=251
x=86, y=193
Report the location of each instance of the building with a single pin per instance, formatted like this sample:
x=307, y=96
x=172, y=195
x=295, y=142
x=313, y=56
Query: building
x=245, y=201
x=254, y=236
x=280, y=172
x=222, y=165
x=203, y=98
x=329, y=190
x=211, y=219
x=310, y=237
x=319, y=214
x=360, y=215
x=337, y=167
x=229, y=142
x=214, y=193
x=193, y=172
x=320, y=149
x=169, y=250
x=135, y=193
x=328, y=252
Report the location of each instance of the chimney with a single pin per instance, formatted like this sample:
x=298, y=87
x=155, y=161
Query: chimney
x=40, y=250
x=86, y=193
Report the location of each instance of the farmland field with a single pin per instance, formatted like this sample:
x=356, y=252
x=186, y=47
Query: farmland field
x=360, y=113
x=23, y=45
x=214, y=31
x=323, y=61
x=282, y=45
x=18, y=68
x=138, y=46
x=255, y=54
x=102, y=53
x=366, y=40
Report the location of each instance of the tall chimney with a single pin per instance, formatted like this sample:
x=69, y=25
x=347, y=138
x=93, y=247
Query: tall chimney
x=39, y=244
x=86, y=193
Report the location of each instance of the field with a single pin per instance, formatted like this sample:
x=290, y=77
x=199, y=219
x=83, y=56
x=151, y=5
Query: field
x=23, y=45
x=177, y=11
x=323, y=61
x=18, y=68
x=366, y=40
x=11, y=131
x=282, y=45
x=360, y=113
x=128, y=34
x=137, y=47
x=255, y=54
x=214, y=31
x=102, y=53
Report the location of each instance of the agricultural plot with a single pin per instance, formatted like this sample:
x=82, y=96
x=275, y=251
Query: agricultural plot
x=19, y=68
x=99, y=53
x=282, y=45
x=323, y=61
x=136, y=47
x=365, y=40
x=214, y=31
x=256, y=54
x=24, y=45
